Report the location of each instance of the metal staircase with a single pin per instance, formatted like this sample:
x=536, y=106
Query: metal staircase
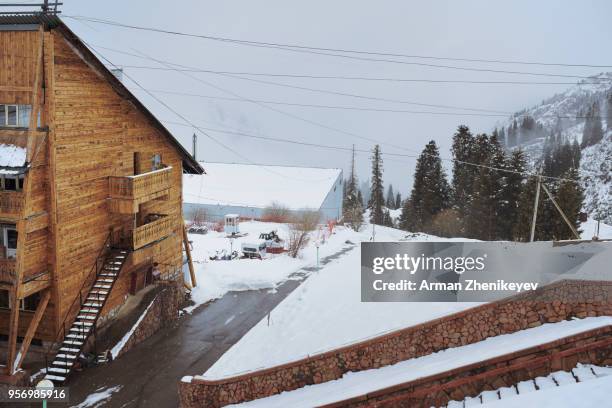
x=89, y=308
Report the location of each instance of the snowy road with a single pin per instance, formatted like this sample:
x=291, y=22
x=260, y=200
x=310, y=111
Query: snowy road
x=149, y=373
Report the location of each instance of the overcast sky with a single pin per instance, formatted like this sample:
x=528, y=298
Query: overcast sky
x=546, y=31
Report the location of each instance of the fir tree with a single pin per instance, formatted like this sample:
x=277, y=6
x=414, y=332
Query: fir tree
x=487, y=202
x=430, y=192
x=593, y=130
x=511, y=194
x=609, y=111
x=377, y=198
x=463, y=174
x=570, y=198
x=387, y=220
x=390, y=198
x=352, y=210
x=398, y=200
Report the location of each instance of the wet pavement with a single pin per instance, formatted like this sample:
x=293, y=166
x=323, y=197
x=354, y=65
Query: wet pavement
x=148, y=374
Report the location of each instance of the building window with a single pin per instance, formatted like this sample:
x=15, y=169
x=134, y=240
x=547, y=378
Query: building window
x=156, y=162
x=15, y=115
x=4, y=299
x=12, y=183
x=30, y=303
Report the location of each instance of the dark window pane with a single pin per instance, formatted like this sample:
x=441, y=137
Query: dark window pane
x=11, y=236
x=4, y=299
x=21, y=182
x=2, y=115
x=10, y=184
x=12, y=115
x=31, y=302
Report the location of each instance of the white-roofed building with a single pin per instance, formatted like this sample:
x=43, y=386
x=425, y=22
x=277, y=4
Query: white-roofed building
x=248, y=189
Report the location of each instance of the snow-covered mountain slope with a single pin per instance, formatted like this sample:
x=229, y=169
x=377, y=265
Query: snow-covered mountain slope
x=565, y=113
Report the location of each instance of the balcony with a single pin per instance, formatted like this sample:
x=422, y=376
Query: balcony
x=156, y=228
x=128, y=192
x=7, y=271
x=11, y=204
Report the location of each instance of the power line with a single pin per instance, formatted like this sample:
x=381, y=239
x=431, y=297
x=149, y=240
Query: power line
x=324, y=91
x=378, y=79
x=349, y=149
x=191, y=124
x=306, y=48
x=187, y=121
x=356, y=108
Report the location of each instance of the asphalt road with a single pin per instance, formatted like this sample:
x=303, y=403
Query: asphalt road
x=148, y=374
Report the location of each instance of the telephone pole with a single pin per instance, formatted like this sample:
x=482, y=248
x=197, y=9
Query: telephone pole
x=535, y=207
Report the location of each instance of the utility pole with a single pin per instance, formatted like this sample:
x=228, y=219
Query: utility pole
x=535, y=207
x=567, y=221
x=195, y=146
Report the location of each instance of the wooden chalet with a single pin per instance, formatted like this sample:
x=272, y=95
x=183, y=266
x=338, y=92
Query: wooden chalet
x=90, y=193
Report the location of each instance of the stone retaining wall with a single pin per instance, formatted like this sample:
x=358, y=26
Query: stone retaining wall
x=591, y=347
x=162, y=312
x=552, y=303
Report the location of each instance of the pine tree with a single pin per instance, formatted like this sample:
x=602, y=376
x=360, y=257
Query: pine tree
x=597, y=128
x=593, y=130
x=511, y=194
x=377, y=198
x=430, y=192
x=512, y=135
x=487, y=201
x=609, y=111
x=570, y=197
x=387, y=220
x=352, y=210
x=463, y=174
x=390, y=203
x=398, y=201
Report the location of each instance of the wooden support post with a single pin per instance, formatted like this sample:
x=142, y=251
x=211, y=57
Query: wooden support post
x=535, y=209
x=189, y=259
x=567, y=221
x=25, y=344
x=13, y=329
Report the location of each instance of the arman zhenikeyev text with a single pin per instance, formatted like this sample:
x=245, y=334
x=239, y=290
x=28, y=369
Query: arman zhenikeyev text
x=466, y=285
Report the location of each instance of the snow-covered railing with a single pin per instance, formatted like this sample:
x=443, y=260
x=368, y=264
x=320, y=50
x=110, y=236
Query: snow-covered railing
x=140, y=185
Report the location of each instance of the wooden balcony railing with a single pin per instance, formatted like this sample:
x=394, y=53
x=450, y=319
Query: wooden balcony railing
x=153, y=231
x=140, y=185
x=11, y=203
x=7, y=270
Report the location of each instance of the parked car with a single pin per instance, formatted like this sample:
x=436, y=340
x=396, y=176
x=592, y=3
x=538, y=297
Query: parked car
x=255, y=249
x=198, y=229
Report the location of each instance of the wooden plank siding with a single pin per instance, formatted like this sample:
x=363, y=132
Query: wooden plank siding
x=88, y=133
x=96, y=135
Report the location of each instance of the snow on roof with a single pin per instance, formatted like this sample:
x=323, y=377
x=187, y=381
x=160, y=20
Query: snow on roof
x=249, y=185
x=11, y=156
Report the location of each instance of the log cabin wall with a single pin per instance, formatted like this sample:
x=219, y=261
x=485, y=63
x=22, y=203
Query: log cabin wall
x=95, y=135
x=17, y=66
x=18, y=70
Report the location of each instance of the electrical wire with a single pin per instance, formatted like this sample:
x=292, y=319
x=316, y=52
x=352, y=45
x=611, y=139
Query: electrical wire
x=305, y=48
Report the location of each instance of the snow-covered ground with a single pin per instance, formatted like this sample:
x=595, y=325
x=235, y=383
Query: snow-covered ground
x=98, y=398
x=589, y=229
x=558, y=389
x=216, y=278
x=326, y=312
x=358, y=383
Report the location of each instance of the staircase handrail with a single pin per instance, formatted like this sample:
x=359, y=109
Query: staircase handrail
x=92, y=273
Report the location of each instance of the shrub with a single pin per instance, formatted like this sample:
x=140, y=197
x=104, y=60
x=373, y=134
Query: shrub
x=301, y=226
x=276, y=212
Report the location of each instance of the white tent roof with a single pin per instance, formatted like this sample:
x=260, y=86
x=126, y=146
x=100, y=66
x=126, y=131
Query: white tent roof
x=249, y=185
